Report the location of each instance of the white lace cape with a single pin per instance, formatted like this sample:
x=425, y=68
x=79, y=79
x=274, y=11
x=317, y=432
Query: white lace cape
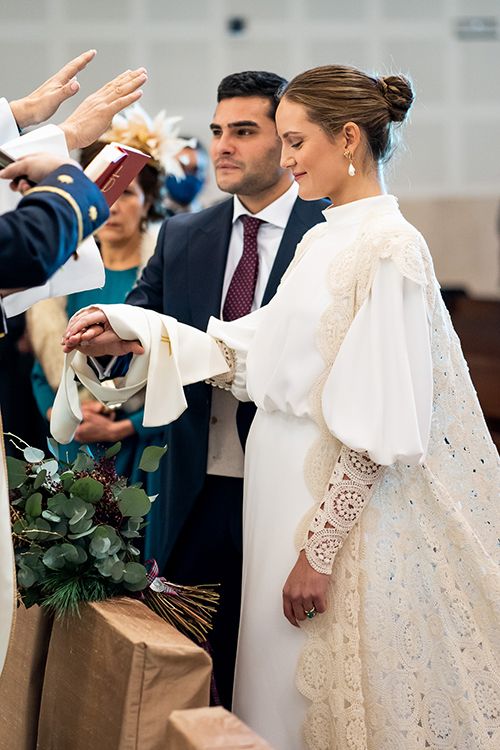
x=407, y=654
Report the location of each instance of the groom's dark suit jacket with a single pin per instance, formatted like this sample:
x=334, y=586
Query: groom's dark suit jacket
x=184, y=279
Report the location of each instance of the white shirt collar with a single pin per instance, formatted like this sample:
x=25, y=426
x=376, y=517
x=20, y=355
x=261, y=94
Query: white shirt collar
x=277, y=212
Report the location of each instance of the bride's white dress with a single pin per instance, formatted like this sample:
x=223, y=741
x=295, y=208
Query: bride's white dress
x=357, y=350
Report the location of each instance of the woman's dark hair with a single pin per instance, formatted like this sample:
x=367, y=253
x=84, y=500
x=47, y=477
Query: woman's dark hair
x=336, y=94
x=253, y=83
x=151, y=178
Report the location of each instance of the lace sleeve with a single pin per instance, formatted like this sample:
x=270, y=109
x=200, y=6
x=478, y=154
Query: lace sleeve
x=349, y=490
x=225, y=380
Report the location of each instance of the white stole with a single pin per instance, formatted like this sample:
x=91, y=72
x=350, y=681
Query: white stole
x=174, y=355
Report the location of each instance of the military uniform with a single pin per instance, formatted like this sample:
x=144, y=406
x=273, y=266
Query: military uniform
x=35, y=240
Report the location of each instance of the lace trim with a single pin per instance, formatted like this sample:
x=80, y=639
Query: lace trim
x=349, y=490
x=225, y=380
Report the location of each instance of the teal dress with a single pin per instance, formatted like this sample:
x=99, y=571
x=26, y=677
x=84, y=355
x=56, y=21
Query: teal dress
x=117, y=286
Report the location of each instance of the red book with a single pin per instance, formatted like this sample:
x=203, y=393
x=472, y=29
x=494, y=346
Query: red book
x=114, y=168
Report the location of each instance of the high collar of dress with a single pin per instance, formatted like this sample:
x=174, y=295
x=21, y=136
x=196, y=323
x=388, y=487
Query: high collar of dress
x=355, y=210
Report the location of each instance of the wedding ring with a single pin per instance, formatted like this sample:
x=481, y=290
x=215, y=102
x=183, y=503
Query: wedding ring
x=310, y=613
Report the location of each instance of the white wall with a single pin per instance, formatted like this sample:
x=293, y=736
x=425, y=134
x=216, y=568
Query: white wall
x=452, y=145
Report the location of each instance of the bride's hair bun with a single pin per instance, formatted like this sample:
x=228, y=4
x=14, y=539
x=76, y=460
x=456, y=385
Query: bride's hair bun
x=398, y=93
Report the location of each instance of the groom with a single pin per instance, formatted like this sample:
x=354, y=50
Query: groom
x=224, y=261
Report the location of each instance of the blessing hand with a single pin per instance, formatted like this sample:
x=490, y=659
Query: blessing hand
x=90, y=332
x=46, y=99
x=304, y=591
x=93, y=116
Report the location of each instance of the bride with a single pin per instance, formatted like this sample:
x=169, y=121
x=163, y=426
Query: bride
x=371, y=500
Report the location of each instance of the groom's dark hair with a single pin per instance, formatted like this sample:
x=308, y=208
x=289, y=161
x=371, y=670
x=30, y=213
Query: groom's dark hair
x=253, y=83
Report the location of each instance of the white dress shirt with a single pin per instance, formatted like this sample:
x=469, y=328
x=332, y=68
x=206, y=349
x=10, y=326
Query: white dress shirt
x=225, y=455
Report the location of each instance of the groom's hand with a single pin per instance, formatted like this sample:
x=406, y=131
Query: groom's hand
x=90, y=333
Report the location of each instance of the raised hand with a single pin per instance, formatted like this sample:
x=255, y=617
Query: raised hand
x=93, y=116
x=90, y=332
x=46, y=99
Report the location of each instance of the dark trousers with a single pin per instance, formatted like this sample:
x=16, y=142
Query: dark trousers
x=209, y=550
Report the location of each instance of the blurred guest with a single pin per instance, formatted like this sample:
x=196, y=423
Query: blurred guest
x=183, y=190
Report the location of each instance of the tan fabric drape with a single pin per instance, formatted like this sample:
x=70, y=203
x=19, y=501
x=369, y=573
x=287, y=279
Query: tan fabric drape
x=114, y=675
x=21, y=682
x=210, y=728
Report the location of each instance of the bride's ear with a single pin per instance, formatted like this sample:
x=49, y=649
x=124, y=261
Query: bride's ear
x=352, y=136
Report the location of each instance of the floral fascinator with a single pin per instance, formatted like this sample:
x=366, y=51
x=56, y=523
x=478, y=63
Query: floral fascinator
x=158, y=137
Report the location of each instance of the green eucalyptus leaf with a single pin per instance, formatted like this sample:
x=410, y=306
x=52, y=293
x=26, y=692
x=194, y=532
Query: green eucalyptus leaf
x=134, y=573
x=133, y=550
x=80, y=534
x=133, y=502
x=67, y=480
x=73, y=554
x=134, y=523
x=116, y=546
x=33, y=505
x=51, y=516
x=88, y=489
x=33, y=455
x=60, y=528
x=16, y=470
x=54, y=558
x=100, y=546
x=76, y=508
x=40, y=479
x=83, y=462
x=113, y=450
x=105, y=566
x=57, y=504
x=118, y=571
x=19, y=526
x=80, y=527
x=151, y=456
x=51, y=466
x=38, y=530
x=77, y=516
x=26, y=577
x=129, y=534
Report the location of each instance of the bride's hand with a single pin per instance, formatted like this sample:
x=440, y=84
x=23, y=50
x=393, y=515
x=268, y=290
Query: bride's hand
x=304, y=591
x=90, y=332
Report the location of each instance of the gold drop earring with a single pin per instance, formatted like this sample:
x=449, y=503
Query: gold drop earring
x=351, y=170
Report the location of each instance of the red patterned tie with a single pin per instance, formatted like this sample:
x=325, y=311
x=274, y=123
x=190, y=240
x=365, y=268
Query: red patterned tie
x=239, y=297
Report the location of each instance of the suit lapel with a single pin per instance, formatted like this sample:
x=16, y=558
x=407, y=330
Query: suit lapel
x=207, y=253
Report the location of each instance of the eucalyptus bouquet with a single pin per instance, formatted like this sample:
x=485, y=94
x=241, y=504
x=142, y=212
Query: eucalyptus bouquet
x=75, y=528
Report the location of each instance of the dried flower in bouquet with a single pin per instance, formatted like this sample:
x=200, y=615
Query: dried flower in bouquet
x=75, y=528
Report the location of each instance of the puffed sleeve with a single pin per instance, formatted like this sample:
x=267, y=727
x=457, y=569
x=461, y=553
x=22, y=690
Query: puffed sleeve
x=237, y=335
x=378, y=396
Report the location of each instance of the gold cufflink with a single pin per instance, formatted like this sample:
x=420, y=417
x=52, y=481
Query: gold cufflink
x=166, y=340
x=92, y=213
x=65, y=178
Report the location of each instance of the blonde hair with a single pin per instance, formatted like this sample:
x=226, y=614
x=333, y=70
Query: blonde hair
x=336, y=94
